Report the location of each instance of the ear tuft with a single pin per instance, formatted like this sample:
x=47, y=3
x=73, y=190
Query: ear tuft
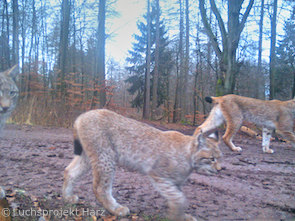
x=200, y=138
x=12, y=72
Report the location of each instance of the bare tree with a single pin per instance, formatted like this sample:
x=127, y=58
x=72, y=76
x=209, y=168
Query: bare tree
x=63, y=44
x=15, y=39
x=260, y=47
x=272, y=50
x=147, y=93
x=186, y=60
x=179, y=102
x=5, y=52
x=156, y=69
x=228, y=63
x=101, y=52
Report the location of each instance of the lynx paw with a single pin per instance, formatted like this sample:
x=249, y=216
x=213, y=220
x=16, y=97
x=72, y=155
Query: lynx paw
x=72, y=199
x=122, y=211
x=237, y=149
x=189, y=218
x=267, y=150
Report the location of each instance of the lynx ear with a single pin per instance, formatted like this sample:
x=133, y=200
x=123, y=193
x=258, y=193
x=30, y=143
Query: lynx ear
x=199, y=138
x=12, y=72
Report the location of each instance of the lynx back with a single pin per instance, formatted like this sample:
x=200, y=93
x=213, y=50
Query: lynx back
x=234, y=110
x=104, y=140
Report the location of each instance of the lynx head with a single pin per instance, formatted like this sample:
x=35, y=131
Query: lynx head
x=8, y=90
x=206, y=154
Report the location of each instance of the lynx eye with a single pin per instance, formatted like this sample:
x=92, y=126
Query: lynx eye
x=212, y=159
x=13, y=93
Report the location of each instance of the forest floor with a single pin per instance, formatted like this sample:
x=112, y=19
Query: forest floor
x=252, y=185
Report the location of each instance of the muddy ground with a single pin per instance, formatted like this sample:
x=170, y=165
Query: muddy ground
x=252, y=185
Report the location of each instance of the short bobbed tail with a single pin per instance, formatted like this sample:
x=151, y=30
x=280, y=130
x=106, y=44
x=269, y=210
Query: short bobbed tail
x=209, y=99
x=78, y=149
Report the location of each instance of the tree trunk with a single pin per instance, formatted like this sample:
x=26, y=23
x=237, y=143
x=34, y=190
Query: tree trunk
x=198, y=66
x=293, y=87
x=176, y=106
x=32, y=44
x=234, y=7
x=23, y=44
x=156, y=69
x=229, y=66
x=15, y=40
x=186, y=61
x=272, y=50
x=63, y=47
x=259, y=66
x=5, y=56
x=147, y=93
x=179, y=92
x=101, y=53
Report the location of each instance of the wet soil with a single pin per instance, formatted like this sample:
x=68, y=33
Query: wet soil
x=252, y=185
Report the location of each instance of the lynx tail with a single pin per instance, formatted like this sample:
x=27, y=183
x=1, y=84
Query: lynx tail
x=209, y=99
x=77, y=147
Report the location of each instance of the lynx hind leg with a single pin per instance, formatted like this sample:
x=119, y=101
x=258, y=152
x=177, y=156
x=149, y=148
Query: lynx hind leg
x=103, y=174
x=214, y=120
x=233, y=124
x=285, y=128
x=289, y=135
x=266, y=135
x=175, y=199
x=74, y=170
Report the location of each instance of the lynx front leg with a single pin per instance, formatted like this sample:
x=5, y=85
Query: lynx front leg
x=266, y=135
x=231, y=130
x=74, y=170
x=175, y=198
x=103, y=174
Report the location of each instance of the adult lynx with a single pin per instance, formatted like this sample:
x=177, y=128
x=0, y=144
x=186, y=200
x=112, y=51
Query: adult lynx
x=8, y=94
x=104, y=139
x=234, y=110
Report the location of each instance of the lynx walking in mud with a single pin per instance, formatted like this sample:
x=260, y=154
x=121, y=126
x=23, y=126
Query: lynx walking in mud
x=234, y=110
x=8, y=94
x=104, y=139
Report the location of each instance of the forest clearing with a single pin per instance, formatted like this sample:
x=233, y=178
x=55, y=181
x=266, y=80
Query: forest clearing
x=173, y=54
x=252, y=185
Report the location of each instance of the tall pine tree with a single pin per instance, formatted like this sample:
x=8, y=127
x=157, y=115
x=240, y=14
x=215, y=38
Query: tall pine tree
x=137, y=62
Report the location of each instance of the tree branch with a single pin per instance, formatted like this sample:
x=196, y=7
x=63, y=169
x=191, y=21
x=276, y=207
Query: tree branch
x=220, y=24
x=244, y=19
x=208, y=29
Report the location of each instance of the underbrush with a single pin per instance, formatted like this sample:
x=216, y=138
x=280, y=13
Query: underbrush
x=45, y=111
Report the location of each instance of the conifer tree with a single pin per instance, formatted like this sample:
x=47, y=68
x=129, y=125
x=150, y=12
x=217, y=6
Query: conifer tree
x=137, y=62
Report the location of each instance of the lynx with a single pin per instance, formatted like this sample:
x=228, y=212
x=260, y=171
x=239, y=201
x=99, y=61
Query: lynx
x=234, y=110
x=8, y=94
x=104, y=140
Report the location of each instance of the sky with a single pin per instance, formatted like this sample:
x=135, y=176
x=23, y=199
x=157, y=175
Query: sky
x=123, y=28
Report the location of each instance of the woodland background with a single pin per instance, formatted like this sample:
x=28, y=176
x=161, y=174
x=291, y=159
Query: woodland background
x=185, y=50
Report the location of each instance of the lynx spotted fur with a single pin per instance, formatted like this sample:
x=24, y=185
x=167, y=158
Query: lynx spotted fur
x=104, y=140
x=234, y=110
